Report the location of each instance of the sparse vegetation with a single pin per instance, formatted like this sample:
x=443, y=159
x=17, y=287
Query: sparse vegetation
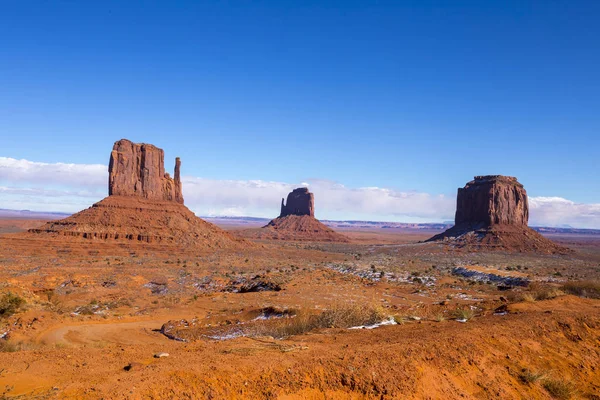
x=528, y=376
x=544, y=292
x=7, y=346
x=536, y=292
x=10, y=303
x=590, y=289
x=559, y=389
x=439, y=317
x=464, y=313
x=338, y=316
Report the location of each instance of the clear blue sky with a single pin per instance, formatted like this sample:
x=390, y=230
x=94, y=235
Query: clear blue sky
x=410, y=94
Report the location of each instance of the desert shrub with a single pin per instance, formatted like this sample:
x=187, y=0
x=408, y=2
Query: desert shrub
x=528, y=376
x=339, y=316
x=589, y=289
x=439, y=317
x=7, y=346
x=544, y=292
x=559, y=389
x=10, y=303
x=535, y=292
x=464, y=313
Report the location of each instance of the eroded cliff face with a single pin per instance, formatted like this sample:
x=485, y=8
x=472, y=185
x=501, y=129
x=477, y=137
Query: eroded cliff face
x=492, y=200
x=299, y=202
x=492, y=214
x=138, y=170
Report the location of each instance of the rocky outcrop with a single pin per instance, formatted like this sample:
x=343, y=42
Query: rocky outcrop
x=138, y=169
x=144, y=205
x=296, y=222
x=492, y=212
x=299, y=202
x=492, y=199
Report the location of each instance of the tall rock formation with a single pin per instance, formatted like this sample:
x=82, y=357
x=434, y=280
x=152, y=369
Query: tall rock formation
x=492, y=199
x=138, y=169
x=492, y=212
x=144, y=205
x=296, y=222
x=299, y=202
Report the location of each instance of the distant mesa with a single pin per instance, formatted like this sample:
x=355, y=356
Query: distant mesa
x=297, y=222
x=299, y=202
x=144, y=205
x=492, y=211
x=138, y=169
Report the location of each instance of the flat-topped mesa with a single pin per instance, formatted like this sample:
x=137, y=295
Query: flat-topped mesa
x=492, y=200
x=138, y=170
x=299, y=202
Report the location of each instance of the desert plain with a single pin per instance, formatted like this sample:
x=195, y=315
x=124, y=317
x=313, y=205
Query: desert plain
x=271, y=319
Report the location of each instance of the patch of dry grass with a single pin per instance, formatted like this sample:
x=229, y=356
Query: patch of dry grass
x=559, y=389
x=529, y=376
x=536, y=292
x=590, y=289
x=465, y=314
x=338, y=316
x=10, y=303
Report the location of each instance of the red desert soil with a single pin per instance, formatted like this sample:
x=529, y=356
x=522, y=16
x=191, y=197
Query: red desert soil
x=484, y=358
x=94, y=308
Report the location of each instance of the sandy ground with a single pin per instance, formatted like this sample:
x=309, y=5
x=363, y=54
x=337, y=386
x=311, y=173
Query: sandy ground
x=94, y=308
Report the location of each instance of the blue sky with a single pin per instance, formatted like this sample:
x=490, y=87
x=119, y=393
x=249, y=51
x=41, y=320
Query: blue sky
x=412, y=96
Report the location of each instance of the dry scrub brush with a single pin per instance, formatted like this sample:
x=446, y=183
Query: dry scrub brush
x=10, y=303
x=338, y=316
x=589, y=289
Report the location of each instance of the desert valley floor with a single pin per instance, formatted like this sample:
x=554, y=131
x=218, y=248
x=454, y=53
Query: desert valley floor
x=381, y=316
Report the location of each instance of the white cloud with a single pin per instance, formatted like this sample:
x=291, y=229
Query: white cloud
x=557, y=211
x=332, y=200
x=70, y=187
x=73, y=175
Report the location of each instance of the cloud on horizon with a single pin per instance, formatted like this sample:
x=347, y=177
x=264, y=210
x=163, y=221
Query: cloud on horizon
x=71, y=187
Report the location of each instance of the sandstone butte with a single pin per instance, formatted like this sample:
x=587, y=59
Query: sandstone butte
x=492, y=211
x=297, y=221
x=144, y=205
x=139, y=170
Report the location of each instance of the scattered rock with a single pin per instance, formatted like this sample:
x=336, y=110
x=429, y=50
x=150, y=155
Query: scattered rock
x=502, y=310
x=161, y=355
x=171, y=329
x=133, y=366
x=260, y=285
x=480, y=276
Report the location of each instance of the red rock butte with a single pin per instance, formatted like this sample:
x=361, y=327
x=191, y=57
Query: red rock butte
x=492, y=212
x=144, y=205
x=299, y=202
x=138, y=169
x=297, y=222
